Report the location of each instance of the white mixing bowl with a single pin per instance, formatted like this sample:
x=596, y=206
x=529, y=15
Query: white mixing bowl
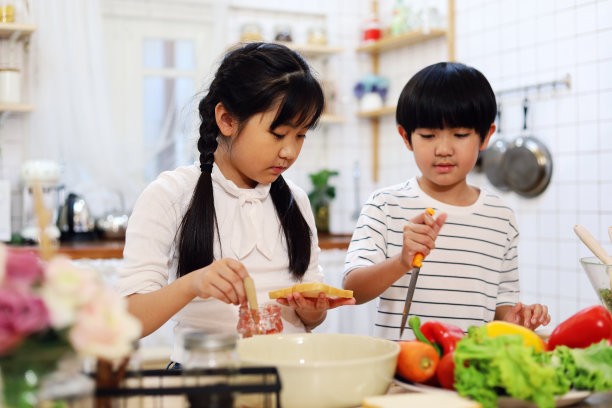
x=324, y=370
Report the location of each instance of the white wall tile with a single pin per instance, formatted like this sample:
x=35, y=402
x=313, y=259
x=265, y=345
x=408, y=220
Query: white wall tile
x=604, y=11
x=588, y=141
x=605, y=105
x=586, y=18
x=586, y=78
x=565, y=23
x=588, y=107
x=587, y=46
x=604, y=44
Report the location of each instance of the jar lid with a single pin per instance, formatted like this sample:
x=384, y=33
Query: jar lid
x=201, y=340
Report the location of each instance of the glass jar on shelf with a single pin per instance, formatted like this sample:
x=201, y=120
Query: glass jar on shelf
x=251, y=32
x=317, y=35
x=282, y=32
x=205, y=351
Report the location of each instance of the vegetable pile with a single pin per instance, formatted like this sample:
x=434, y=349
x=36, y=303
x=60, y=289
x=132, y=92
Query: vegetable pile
x=505, y=359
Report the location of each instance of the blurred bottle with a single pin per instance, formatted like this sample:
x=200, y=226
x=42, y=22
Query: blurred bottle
x=372, y=28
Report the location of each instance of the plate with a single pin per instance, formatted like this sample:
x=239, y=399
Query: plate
x=570, y=398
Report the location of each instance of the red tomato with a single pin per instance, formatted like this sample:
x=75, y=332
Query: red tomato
x=417, y=361
x=445, y=373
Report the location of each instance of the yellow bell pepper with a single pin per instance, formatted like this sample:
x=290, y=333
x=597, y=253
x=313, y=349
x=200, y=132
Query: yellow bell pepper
x=530, y=338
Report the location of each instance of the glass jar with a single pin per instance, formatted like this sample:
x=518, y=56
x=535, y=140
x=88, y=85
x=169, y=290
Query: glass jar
x=267, y=320
x=317, y=35
x=210, y=351
x=250, y=32
x=283, y=33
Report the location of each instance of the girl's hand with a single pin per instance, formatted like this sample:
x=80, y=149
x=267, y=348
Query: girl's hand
x=312, y=311
x=420, y=235
x=222, y=279
x=530, y=316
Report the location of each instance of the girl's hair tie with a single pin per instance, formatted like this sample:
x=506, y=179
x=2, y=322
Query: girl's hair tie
x=206, y=167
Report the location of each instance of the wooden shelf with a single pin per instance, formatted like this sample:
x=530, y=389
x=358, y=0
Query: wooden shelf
x=16, y=107
x=330, y=119
x=403, y=40
x=384, y=111
x=17, y=31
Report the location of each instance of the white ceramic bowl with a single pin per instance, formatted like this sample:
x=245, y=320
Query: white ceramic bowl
x=324, y=370
x=599, y=275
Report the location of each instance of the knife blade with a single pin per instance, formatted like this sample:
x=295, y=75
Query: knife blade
x=417, y=263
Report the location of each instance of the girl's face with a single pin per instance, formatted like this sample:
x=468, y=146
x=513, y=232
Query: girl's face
x=258, y=154
x=445, y=156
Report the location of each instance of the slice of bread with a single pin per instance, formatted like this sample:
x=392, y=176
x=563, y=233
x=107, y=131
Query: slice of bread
x=311, y=290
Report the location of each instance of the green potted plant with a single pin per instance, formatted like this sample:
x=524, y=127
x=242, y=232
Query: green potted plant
x=321, y=196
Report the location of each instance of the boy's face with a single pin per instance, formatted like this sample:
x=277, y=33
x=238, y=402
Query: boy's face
x=445, y=156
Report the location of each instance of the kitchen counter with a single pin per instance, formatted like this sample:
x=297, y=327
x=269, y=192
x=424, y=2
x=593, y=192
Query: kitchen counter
x=108, y=249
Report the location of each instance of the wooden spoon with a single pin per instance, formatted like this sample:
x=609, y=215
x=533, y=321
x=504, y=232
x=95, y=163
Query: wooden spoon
x=610, y=233
x=590, y=241
x=249, y=287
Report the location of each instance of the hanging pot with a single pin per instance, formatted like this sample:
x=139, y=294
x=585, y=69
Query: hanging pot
x=492, y=158
x=527, y=163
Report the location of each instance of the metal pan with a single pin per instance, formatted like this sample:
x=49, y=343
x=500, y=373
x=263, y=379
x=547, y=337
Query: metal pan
x=492, y=158
x=527, y=163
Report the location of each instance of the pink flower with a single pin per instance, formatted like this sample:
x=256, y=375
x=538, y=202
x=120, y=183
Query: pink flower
x=23, y=268
x=104, y=328
x=21, y=314
x=66, y=289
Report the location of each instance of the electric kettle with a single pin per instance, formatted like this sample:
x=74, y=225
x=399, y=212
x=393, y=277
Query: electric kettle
x=74, y=220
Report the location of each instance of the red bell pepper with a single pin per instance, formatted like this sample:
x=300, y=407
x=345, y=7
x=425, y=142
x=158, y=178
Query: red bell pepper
x=444, y=338
x=588, y=326
x=446, y=335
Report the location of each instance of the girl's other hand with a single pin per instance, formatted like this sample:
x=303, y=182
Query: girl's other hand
x=530, y=316
x=222, y=279
x=420, y=235
x=313, y=311
x=318, y=304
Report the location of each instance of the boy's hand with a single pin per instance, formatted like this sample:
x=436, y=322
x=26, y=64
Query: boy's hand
x=530, y=316
x=420, y=235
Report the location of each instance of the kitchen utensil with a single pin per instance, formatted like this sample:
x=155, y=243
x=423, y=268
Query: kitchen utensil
x=594, y=246
x=43, y=175
x=249, y=287
x=527, y=163
x=599, y=275
x=75, y=221
x=113, y=224
x=493, y=155
x=591, y=243
x=610, y=233
x=416, y=268
x=324, y=370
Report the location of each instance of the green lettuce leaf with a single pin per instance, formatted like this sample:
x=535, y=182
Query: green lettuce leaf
x=487, y=367
x=587, y=369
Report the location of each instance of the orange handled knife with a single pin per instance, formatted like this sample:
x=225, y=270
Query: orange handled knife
x=417, y=262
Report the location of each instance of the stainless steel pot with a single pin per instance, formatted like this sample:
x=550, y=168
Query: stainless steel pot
x=527, y=163
x=492, y=158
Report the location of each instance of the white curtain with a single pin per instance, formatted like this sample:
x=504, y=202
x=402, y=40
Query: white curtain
x=72, y=123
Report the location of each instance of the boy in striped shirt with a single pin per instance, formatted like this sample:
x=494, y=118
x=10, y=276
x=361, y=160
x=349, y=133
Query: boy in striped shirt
x=445, y=115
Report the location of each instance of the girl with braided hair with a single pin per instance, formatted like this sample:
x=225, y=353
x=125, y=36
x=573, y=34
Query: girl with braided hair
x=196, y=232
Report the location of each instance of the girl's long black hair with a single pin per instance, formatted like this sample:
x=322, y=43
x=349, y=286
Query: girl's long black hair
x=251, y=79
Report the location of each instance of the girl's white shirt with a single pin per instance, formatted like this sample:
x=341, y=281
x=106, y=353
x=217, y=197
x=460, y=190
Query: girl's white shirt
x=249, y=231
